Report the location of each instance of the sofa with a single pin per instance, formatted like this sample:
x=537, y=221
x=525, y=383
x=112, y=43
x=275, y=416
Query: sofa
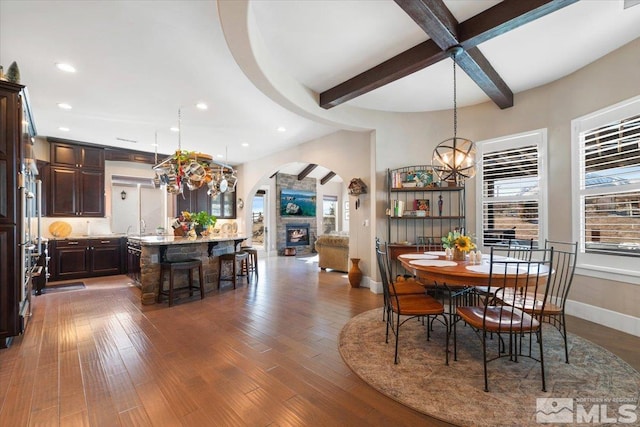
x=333, y=252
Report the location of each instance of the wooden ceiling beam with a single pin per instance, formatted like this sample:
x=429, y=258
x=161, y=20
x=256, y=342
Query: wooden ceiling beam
x=444, y=32
x=503, y=17
x=327, y=178
x=306, y=171
x=408, y=62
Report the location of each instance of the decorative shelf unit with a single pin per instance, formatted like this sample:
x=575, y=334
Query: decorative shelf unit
x=417, y=189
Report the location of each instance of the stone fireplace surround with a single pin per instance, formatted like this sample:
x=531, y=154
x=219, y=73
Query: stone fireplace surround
x=291, y=182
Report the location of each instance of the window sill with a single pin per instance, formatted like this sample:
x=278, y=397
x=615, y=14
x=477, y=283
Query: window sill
x=609, y=273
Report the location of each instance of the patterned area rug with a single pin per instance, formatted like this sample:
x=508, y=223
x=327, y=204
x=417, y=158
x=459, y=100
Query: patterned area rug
x=455, y=393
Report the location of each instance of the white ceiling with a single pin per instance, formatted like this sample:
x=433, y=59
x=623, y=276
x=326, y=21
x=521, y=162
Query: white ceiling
x=138, y=62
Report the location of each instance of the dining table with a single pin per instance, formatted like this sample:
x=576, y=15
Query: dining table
x=434, y=267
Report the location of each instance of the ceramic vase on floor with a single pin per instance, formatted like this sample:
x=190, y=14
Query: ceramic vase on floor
x=355, y=275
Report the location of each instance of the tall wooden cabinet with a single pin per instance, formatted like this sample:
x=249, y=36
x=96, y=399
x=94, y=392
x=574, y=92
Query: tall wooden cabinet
x=11, y=323
x=421, y=210
x=76, y=180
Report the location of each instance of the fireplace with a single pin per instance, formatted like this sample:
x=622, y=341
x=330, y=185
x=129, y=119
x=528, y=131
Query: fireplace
x=297, y=234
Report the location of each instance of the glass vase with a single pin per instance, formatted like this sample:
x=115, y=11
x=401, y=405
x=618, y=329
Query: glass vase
x=459, y=255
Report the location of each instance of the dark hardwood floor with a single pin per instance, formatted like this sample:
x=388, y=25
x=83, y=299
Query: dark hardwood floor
x=264, y=354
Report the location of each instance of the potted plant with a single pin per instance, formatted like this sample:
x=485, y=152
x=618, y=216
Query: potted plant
x=203, y=221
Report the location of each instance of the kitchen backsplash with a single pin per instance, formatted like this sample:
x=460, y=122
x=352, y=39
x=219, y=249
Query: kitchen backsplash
x=80, y=227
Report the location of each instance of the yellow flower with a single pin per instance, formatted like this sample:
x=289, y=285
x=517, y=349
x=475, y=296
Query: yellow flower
x=464, y=243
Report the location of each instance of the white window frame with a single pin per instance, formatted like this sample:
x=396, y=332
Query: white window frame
x=613, y=267
x=536, y=137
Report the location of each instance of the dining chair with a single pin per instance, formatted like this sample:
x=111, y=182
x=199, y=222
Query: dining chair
x=510, y=278
x=408, y=306
x=558, y=284
x=519, y=250
x=565, y=255
x=403, y=285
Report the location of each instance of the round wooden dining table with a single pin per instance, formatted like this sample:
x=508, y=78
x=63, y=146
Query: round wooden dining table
x=433, y=267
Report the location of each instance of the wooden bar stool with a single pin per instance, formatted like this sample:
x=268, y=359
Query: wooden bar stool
x=172, y=267
x=253, y=259
x=235, y=258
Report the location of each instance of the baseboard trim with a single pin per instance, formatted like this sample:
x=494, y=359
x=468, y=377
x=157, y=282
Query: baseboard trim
x=609, y=318
x=375, y=287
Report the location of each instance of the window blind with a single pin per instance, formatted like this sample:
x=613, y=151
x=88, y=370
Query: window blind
x=610, y=187
x=512, y=190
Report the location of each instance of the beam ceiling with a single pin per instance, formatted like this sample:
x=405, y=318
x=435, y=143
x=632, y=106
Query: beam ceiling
x=445, y=32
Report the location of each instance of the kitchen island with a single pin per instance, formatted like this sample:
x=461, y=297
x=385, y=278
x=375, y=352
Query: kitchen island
x=155, y=249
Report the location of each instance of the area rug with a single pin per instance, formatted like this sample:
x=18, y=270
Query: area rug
x=455, y=393
x=72, y=286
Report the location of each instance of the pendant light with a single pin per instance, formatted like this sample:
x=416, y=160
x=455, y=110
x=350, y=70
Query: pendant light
x=454, y=158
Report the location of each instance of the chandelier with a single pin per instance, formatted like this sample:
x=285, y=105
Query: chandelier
x=454, y=158
x=193, y=170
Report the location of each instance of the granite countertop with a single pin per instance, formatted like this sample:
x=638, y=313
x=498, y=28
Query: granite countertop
x=92, y=236
x=175, y=240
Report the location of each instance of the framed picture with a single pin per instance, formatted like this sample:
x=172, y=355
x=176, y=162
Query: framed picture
x=422, y=205
x=297, y=203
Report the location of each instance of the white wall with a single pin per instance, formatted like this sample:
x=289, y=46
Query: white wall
x=408, y=139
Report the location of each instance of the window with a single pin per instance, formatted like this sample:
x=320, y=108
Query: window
x=606, y=169
x=329, y=213
x=511, y=202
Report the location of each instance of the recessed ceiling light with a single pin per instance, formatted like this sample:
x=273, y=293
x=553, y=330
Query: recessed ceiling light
x=245, y=144
x=65, y=67
x=174, y=129
x=64, y=106
x=282, y=129
x=202, y=105
x=63, y=129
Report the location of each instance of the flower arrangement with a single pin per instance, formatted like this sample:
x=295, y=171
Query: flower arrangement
x=455, y=240
x=202, y=219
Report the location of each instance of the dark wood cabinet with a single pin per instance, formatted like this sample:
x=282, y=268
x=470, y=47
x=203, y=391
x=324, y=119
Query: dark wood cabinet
x=194, y=201
x=11, y=322
x=80, y=258
x=224, y=205
x=70, y=259
x=76, y=156
x=76, y=181
x=123, y=155
x=106, y=257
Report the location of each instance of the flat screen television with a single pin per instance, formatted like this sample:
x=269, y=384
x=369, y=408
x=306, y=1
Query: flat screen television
x=297, y=203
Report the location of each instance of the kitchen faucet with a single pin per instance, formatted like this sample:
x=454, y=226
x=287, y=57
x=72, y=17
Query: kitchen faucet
x=143, y=226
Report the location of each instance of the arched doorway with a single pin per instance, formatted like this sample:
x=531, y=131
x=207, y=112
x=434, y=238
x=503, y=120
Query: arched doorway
x=265, y=217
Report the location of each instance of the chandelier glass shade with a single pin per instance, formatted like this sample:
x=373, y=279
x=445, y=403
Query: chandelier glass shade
x=453, y=159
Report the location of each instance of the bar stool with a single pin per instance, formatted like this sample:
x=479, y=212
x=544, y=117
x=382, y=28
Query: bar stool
x=253, y=259
x=235, y=258
x=172, y=267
